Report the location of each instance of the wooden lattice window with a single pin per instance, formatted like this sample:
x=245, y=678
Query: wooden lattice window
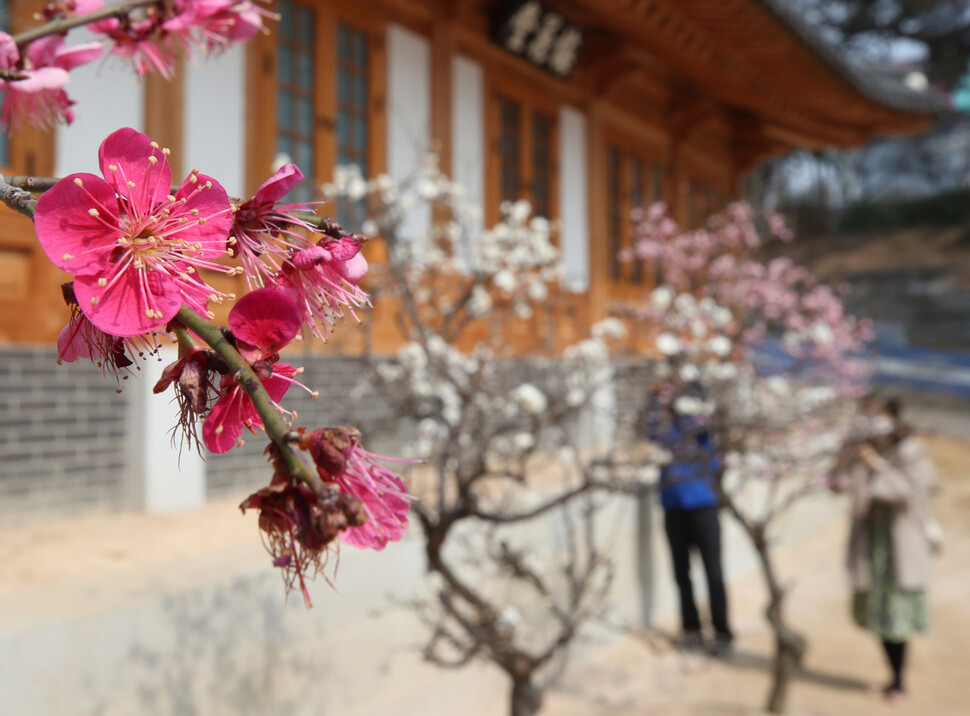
x=296, y=90
x=509, y=149
x=634, y=182
x=352, y=97
x=542, y=165
x=523, y=161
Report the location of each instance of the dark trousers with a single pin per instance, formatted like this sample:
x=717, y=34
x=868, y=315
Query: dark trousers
x=701, y=529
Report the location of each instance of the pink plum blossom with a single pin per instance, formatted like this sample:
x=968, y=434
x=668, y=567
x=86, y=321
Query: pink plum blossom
x=154, y=40
x=322, y=280
x=220, y=22
x=263, y=234
x=262, y=322
x=133, y=247
x=33, y=83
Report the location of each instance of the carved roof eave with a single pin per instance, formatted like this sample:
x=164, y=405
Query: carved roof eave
x=835, y=112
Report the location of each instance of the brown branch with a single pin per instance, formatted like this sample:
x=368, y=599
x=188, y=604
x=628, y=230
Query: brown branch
x=276, y=426
x=64, y=24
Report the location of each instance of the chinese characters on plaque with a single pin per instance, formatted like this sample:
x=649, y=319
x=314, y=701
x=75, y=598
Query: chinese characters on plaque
x=541, y=36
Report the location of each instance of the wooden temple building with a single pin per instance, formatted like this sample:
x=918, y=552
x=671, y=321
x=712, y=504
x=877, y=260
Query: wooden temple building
x=588, y=108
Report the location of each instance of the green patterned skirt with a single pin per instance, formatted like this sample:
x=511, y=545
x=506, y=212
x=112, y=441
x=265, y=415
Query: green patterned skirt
x=893, y=614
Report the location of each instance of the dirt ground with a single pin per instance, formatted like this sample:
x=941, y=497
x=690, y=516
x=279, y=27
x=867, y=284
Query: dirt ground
x=644, y=675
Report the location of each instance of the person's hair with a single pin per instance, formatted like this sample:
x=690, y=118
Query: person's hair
x=893, y=407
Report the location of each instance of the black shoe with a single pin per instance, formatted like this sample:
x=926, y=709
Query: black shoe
x=690, y=641
x=722, y=648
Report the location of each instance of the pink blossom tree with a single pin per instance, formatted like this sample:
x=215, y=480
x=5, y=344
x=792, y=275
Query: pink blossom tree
x=139, y=246
x=502, y=435
x=764, y=357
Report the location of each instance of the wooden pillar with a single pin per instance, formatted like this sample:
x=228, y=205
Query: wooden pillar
x=599, y=258
x=442, y=63
x=164, y=115
x=260, y=109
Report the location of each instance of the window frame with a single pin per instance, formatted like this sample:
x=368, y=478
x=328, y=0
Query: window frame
x=655, y=180
x=263, y=88
x=532, y=102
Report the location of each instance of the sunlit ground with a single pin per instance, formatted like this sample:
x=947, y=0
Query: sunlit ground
x=644, y=676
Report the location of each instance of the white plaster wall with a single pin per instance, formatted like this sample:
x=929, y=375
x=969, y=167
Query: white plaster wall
x=573, y=199
x=109, y=96
x=164, y=478
x=468, y=130
x=215, y=119
x=408, y=113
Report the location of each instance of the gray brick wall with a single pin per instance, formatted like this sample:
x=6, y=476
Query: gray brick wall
x=62, y=436
x=65, y=431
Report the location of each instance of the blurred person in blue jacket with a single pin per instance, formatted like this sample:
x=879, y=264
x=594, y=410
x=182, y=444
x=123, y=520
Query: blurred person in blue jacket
x=688, y=495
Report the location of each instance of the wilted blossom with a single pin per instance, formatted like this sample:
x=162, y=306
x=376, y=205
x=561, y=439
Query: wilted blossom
x=343, y=463
x=133, y=247
x=297, y=525
x=33, y=83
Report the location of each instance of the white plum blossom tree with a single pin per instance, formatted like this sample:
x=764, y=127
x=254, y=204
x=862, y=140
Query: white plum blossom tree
x=503, y=435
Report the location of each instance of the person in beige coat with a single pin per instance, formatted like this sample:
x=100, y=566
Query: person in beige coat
x=892, y=536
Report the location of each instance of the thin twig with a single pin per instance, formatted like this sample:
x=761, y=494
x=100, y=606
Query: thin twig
x=16, y=198
x=63, y=24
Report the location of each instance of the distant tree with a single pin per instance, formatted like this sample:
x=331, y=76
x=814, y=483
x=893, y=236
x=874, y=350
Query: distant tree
x=936, y=32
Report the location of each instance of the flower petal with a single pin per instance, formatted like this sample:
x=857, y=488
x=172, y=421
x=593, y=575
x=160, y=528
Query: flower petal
x=73, y=239
x=343, y=249
x=125, y=158
x=267, y=318
x=41, y=80
x=70, y=58
x=223, y=425
x=9, y=55
x=71, y=344
x=278, y=383
x=120, y=308
x=214, y=215
x=279, y=185
x=352, y=270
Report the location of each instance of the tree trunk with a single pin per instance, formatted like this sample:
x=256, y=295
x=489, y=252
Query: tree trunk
x=789, y=650
x=789, y=645
x=526, y=698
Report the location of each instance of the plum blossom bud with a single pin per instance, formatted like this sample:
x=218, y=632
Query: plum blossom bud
x=520, y=210
x=689, y=372
x=719, y=346
x=538, y=291
x=504, y=280
x=668, y=344
x=609, y=328
x=661, y=298
x=480, y=301
x=532, y=400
